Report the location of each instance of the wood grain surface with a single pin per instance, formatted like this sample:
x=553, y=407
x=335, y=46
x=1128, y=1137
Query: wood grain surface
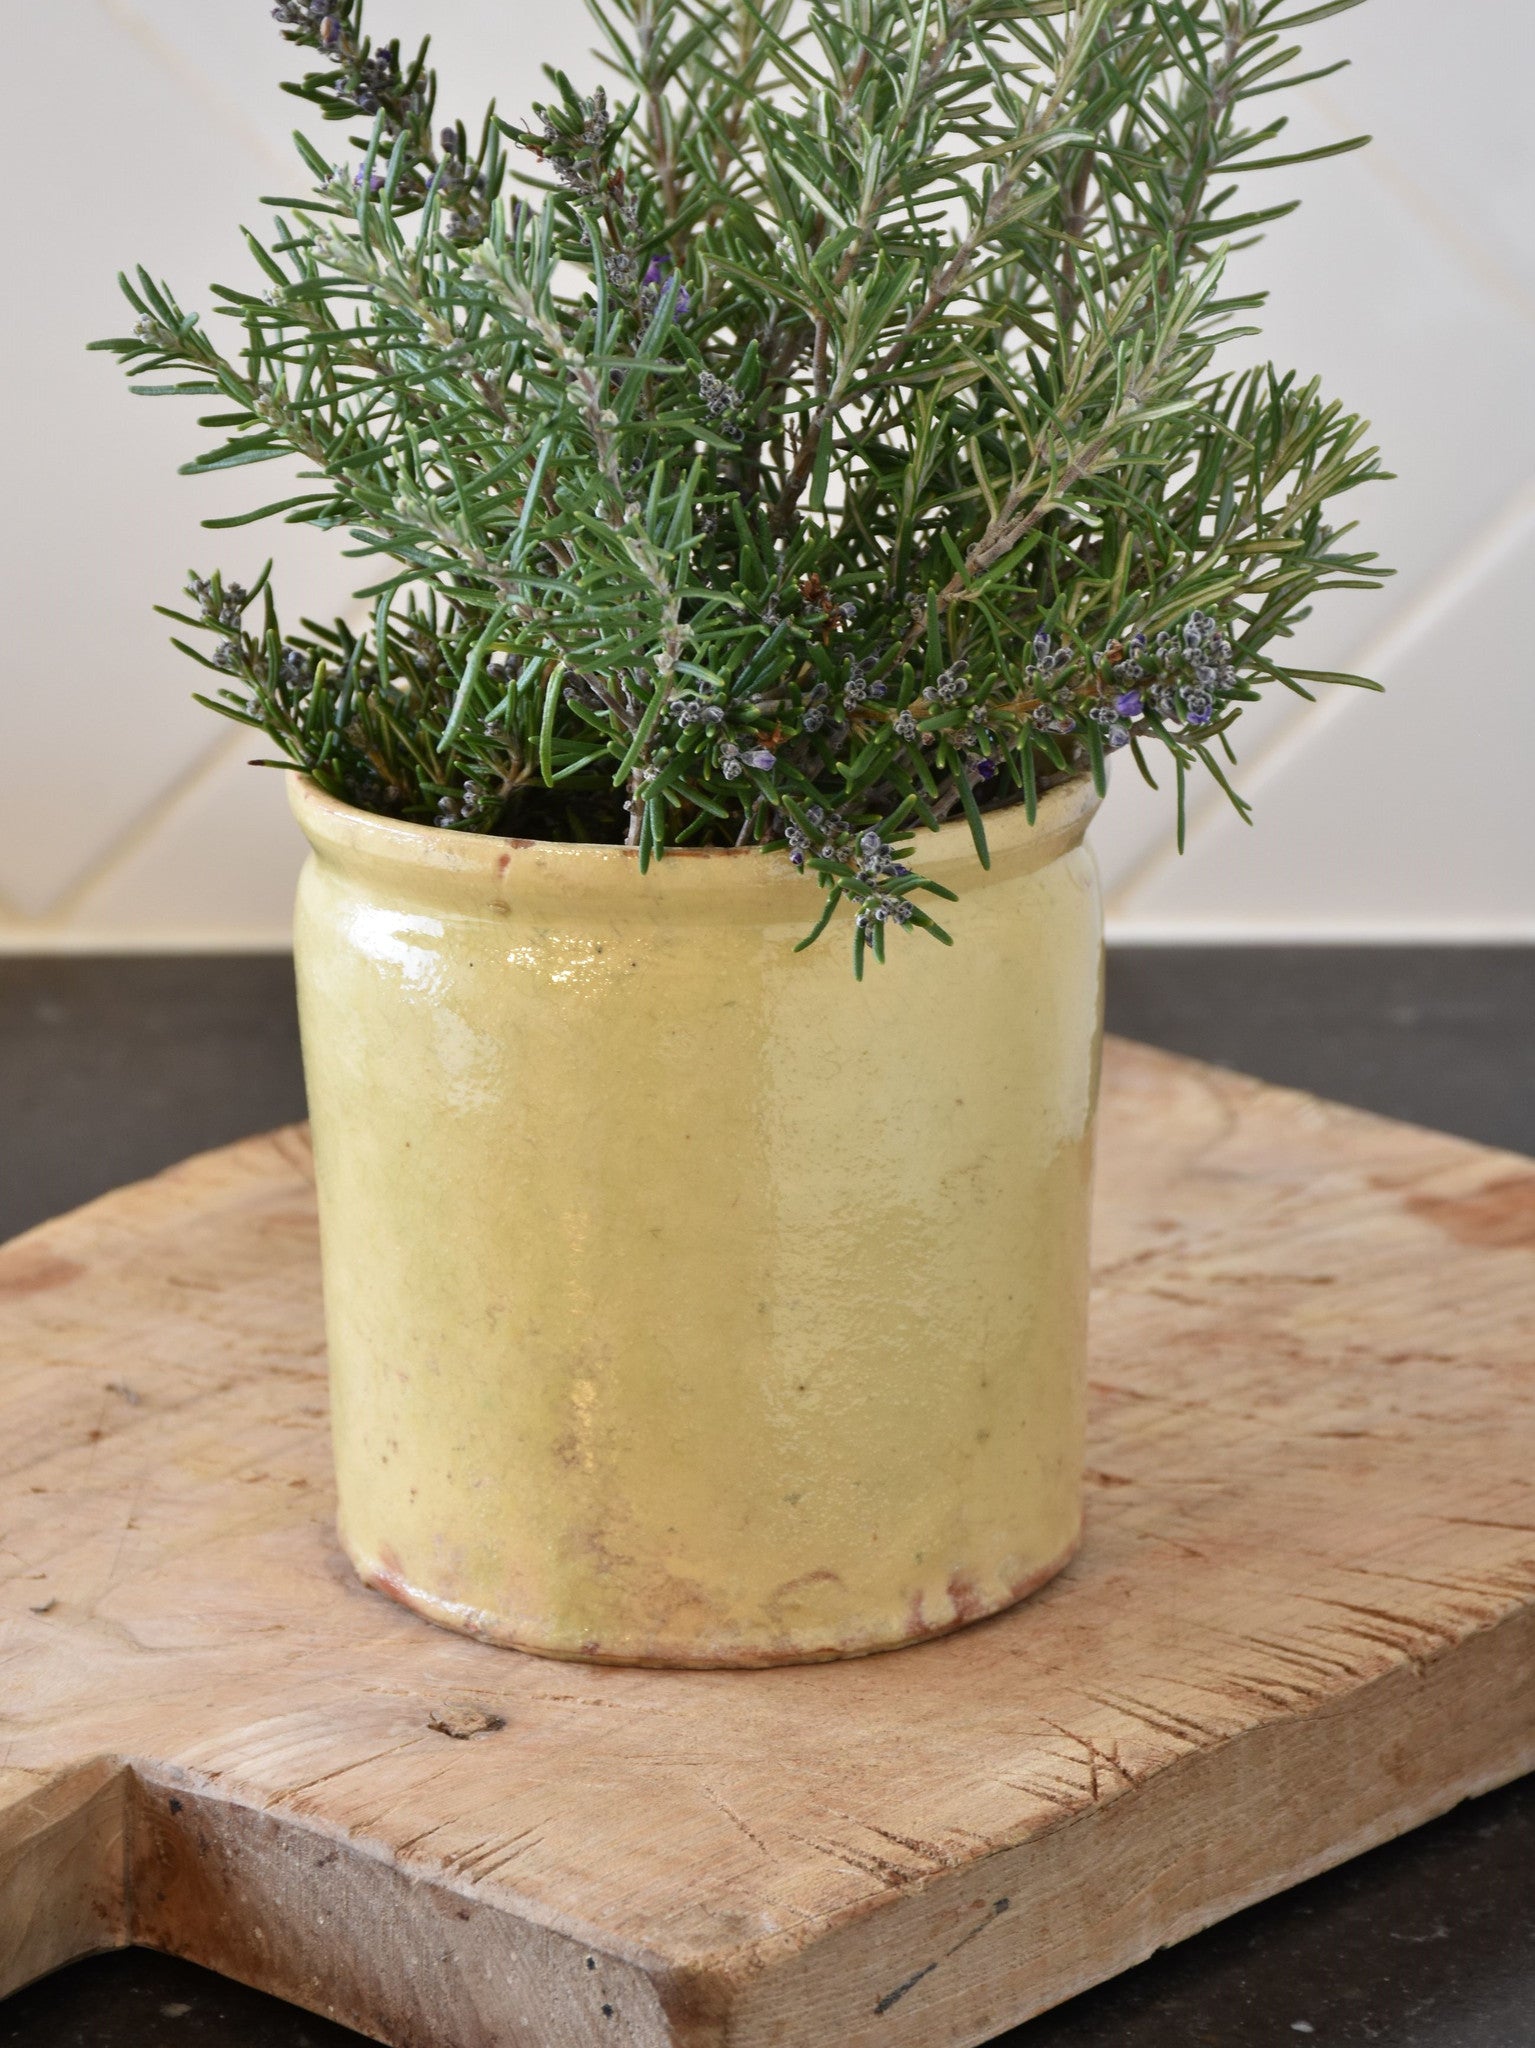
x=1303, y=1620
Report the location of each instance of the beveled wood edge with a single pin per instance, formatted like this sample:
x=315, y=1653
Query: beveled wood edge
x=117, y=1851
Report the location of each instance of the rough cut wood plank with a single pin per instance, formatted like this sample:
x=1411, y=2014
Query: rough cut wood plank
x=1303, y=1620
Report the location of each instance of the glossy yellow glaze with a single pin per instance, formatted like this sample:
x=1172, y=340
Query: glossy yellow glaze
x=688, y=1301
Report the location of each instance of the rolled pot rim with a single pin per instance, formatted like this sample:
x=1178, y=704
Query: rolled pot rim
x=437, y=859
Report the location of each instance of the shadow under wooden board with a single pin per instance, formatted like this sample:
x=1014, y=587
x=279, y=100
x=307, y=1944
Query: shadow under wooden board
x=1302, y=1620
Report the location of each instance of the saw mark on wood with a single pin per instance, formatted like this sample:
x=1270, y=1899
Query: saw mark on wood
x=481, y=1863
x=404, y=1848
x=865, y=1863
x=1472, y=1598
x=1410, y=1624
x=731, y=1815
x=1168, y=1721
x=291, y=1793
x=1098, y=1758
x=1047, y=1795
x=930, y=1852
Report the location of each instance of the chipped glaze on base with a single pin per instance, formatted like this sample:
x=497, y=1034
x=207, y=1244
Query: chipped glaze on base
x=504, y=1634
x=688, y=1301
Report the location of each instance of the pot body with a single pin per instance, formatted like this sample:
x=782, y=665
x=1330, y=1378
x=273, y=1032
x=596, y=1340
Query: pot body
x=689, y=1302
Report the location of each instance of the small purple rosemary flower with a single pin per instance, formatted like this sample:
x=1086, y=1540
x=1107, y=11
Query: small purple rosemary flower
x=1129, y=704
x=655, y=277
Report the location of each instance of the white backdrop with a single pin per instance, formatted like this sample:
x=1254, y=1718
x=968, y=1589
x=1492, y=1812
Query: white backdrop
x=146, y=132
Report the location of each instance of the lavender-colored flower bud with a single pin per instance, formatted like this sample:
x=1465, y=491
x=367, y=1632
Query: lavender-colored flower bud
x=1115, y=736
x=1129, y=704
x=762, y=758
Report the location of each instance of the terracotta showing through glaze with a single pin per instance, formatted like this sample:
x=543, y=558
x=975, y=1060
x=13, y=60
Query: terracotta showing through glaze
x=689, y=1302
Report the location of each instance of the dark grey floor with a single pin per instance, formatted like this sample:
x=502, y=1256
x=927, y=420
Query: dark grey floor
x=112, y=1068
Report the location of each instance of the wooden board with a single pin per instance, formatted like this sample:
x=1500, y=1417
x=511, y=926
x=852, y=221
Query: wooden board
x=1302, y=1621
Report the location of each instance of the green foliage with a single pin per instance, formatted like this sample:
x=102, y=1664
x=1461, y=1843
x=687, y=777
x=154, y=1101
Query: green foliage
x=824, y=442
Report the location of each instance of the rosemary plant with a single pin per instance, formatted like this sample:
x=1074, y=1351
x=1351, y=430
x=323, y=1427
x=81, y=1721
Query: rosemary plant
x=822, y=440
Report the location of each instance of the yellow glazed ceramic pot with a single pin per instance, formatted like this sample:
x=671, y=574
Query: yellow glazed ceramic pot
x=690, y=1302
